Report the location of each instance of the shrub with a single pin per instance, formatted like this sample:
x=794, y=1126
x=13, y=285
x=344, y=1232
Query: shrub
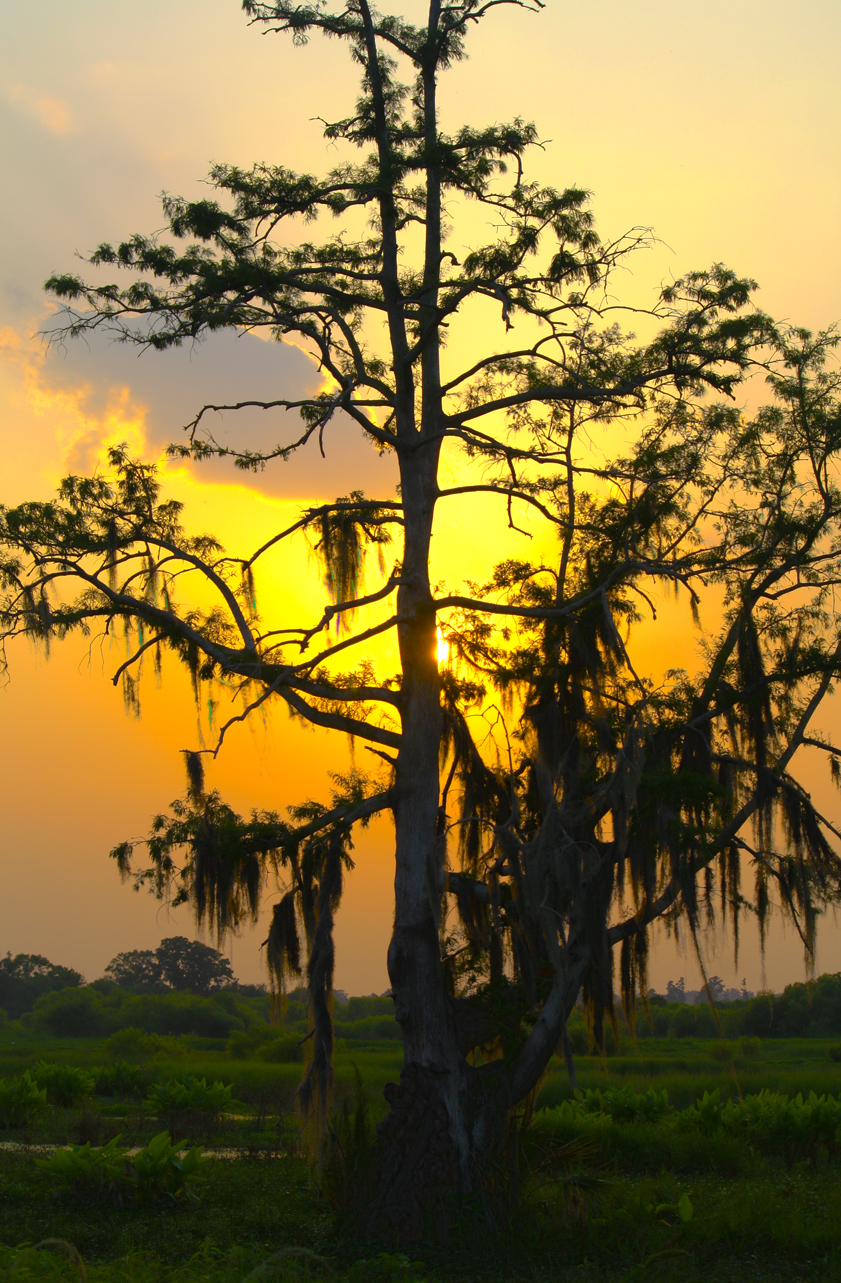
x=21, y=1100
x=244, y=1044
x=190, y=1095
x=625, y=1105
x=178, y=1013
x=721, y=1051
x=283, y=1050
x=134, y=1044
x=85, y=1169
x=370, y=1027
x=159, y=1171
x=70, y=1013
x=66, y=1085
x=29, y=976
x=751, y=1047
x=155, y=1171
x=834, y=1052
x=121, y=1079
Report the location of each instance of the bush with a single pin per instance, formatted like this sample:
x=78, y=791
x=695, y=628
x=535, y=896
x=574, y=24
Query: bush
x=159, y=1171
x=153, y=1172
x=121, y=1079
x=750, y=1048
x=285, y=1050
x=370, y=1027
x=578, y=1038
x=70, y=1013
x=83, y=1169
x=134, y=1044
x=654, y=1023
x=29, y=976
x=720, y=1051
x=21, y=1100
x=178, y=1013
x=796, y=1127
x=244, y=1044
x=189, y=1095
x=66, y=1085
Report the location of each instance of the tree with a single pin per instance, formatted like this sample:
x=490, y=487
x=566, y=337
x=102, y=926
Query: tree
x=177, y=964
x=675, y=991
x=26, y=976
x=603, y=798
x=188, y=964
x=136, y=969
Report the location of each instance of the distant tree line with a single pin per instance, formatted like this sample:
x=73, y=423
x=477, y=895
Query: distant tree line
x=181, y=988
x=27, y=977
x=676, y=991
x=186, y=988
x=178, y=965
x=800, y=1011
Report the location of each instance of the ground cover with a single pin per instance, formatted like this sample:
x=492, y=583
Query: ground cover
x=598, y=1202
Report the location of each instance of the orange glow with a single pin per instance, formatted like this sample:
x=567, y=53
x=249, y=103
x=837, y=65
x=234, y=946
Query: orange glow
x=443, y=648
x=79, y=776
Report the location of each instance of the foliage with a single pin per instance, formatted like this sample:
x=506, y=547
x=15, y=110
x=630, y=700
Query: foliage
x=158, y=1170
x=136, y=1044
x=86, y=1011
x=757, y=1208
x=600, y=798
x=26, y=977
x=246, y=1043
x=66, y=1085
x=800, y=1011
x=121, y=1079
x=370, y=1028
x=175, y=1014
x=189, y=1094
x=21, y=1100
x=177, y=964
x=74, y=1012
x=797, y=1126
x=625, y=1105
x=85, y=1167
x=347, y=1159
x=284, y=1050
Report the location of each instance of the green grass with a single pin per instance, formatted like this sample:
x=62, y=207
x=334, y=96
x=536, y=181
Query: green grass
x=686, y=1069
x=757, y=1216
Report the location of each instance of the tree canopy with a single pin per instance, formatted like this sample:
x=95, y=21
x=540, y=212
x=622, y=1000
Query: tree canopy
x=26, y=976
x=177, y=963
x=553, y=791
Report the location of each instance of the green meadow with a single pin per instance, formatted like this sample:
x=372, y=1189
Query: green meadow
x=648, y=1191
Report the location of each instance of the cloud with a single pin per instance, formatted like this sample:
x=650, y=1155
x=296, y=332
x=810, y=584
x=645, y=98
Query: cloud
x=52, y=113
x=115, y=383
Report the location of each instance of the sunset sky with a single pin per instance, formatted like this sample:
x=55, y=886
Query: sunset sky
x=717, y=125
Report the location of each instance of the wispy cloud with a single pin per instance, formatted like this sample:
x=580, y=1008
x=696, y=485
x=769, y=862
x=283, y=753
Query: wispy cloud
x=50, y=112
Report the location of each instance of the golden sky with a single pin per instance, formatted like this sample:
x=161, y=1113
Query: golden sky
x=717, y=125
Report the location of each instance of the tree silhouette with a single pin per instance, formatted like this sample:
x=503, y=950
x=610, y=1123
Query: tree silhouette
x=596, y=798
x=177, y=963
x=26, y=976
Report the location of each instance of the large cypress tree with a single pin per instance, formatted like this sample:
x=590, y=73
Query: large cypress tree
x=603, y=799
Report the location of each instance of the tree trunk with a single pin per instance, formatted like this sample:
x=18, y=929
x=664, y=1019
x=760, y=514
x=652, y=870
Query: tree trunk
x=448, y=1118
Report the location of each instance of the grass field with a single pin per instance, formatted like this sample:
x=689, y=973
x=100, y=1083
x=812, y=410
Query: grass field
x=598, y=1202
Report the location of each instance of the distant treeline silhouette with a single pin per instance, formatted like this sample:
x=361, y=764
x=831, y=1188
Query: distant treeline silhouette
x=193, y=992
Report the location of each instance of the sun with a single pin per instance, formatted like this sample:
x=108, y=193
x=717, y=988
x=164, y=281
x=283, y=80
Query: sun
x=443, y=647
